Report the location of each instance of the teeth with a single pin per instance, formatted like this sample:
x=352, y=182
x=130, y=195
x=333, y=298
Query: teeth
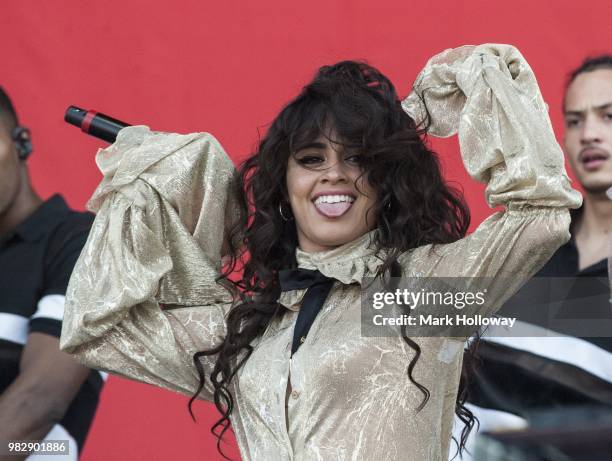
x=334, y=199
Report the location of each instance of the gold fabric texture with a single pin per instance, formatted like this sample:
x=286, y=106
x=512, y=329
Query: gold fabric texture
x=162, y=210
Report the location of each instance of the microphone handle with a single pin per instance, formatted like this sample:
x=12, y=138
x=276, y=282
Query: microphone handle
x=94, y=123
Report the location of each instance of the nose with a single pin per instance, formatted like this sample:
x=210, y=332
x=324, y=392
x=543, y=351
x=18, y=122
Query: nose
x=337, y=172
x=590, y=133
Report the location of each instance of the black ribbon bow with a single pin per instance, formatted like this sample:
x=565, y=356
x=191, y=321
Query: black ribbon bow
x=318, y=288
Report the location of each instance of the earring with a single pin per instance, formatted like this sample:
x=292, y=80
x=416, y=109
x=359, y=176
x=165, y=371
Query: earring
x=280, y=211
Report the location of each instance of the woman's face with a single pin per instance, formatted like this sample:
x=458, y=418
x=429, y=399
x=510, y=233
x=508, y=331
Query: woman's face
x=327, y=199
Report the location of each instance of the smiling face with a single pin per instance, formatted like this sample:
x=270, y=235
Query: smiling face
x=588, y=129
x=329, y=198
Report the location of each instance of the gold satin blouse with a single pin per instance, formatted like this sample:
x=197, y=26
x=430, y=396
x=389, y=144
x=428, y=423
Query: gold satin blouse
x=162, y=210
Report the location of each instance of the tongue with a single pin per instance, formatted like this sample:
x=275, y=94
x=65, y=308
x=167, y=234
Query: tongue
x=334, y=209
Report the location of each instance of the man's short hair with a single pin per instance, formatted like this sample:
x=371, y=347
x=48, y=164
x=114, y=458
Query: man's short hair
x=8, y=115
x=603, y=61
x=590, y=64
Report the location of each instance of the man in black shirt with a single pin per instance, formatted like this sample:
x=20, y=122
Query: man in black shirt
x=520, y=381
x=44, y=393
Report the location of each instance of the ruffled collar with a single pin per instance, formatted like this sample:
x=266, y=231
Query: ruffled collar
x=348, y=263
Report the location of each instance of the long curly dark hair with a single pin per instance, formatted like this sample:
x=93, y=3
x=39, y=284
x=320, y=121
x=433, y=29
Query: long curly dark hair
x=414, y=207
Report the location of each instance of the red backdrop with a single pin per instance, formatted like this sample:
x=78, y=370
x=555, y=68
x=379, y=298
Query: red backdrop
x=227, y=67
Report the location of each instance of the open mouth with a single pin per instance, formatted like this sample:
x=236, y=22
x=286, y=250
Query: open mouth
x=592, y=159
x=333, y=206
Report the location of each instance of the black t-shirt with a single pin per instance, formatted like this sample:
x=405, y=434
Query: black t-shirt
x=524, y=376
x=36, y=260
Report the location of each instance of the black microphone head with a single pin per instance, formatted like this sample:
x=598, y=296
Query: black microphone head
x=75, y=115
x=94, y=123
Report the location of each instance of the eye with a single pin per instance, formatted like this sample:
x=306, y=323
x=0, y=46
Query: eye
x=355, y=159
x=309, y=159
x=571, y=122
x=607, y=116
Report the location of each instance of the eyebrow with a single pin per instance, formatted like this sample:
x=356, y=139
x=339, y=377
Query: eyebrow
x=312, y=145
x=580, y=112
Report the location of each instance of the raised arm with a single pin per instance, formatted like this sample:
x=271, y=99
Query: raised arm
x=143, y=298
x=489, y=96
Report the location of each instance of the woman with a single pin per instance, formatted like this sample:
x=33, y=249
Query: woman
x=341, y=188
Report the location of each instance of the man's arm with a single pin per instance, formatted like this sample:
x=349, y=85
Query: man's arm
x=48, y=381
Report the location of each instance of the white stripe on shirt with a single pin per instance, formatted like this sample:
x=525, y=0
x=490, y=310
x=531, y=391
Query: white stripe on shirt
x=547, y=343
x=58, y=432
x=490, y=420
x=51, y=307
x=13, y=328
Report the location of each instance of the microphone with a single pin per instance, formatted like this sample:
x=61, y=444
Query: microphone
x=94, y=123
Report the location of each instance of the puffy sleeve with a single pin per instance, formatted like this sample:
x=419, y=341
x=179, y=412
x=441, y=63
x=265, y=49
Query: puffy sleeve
x=489, y=96
x=143, y=297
